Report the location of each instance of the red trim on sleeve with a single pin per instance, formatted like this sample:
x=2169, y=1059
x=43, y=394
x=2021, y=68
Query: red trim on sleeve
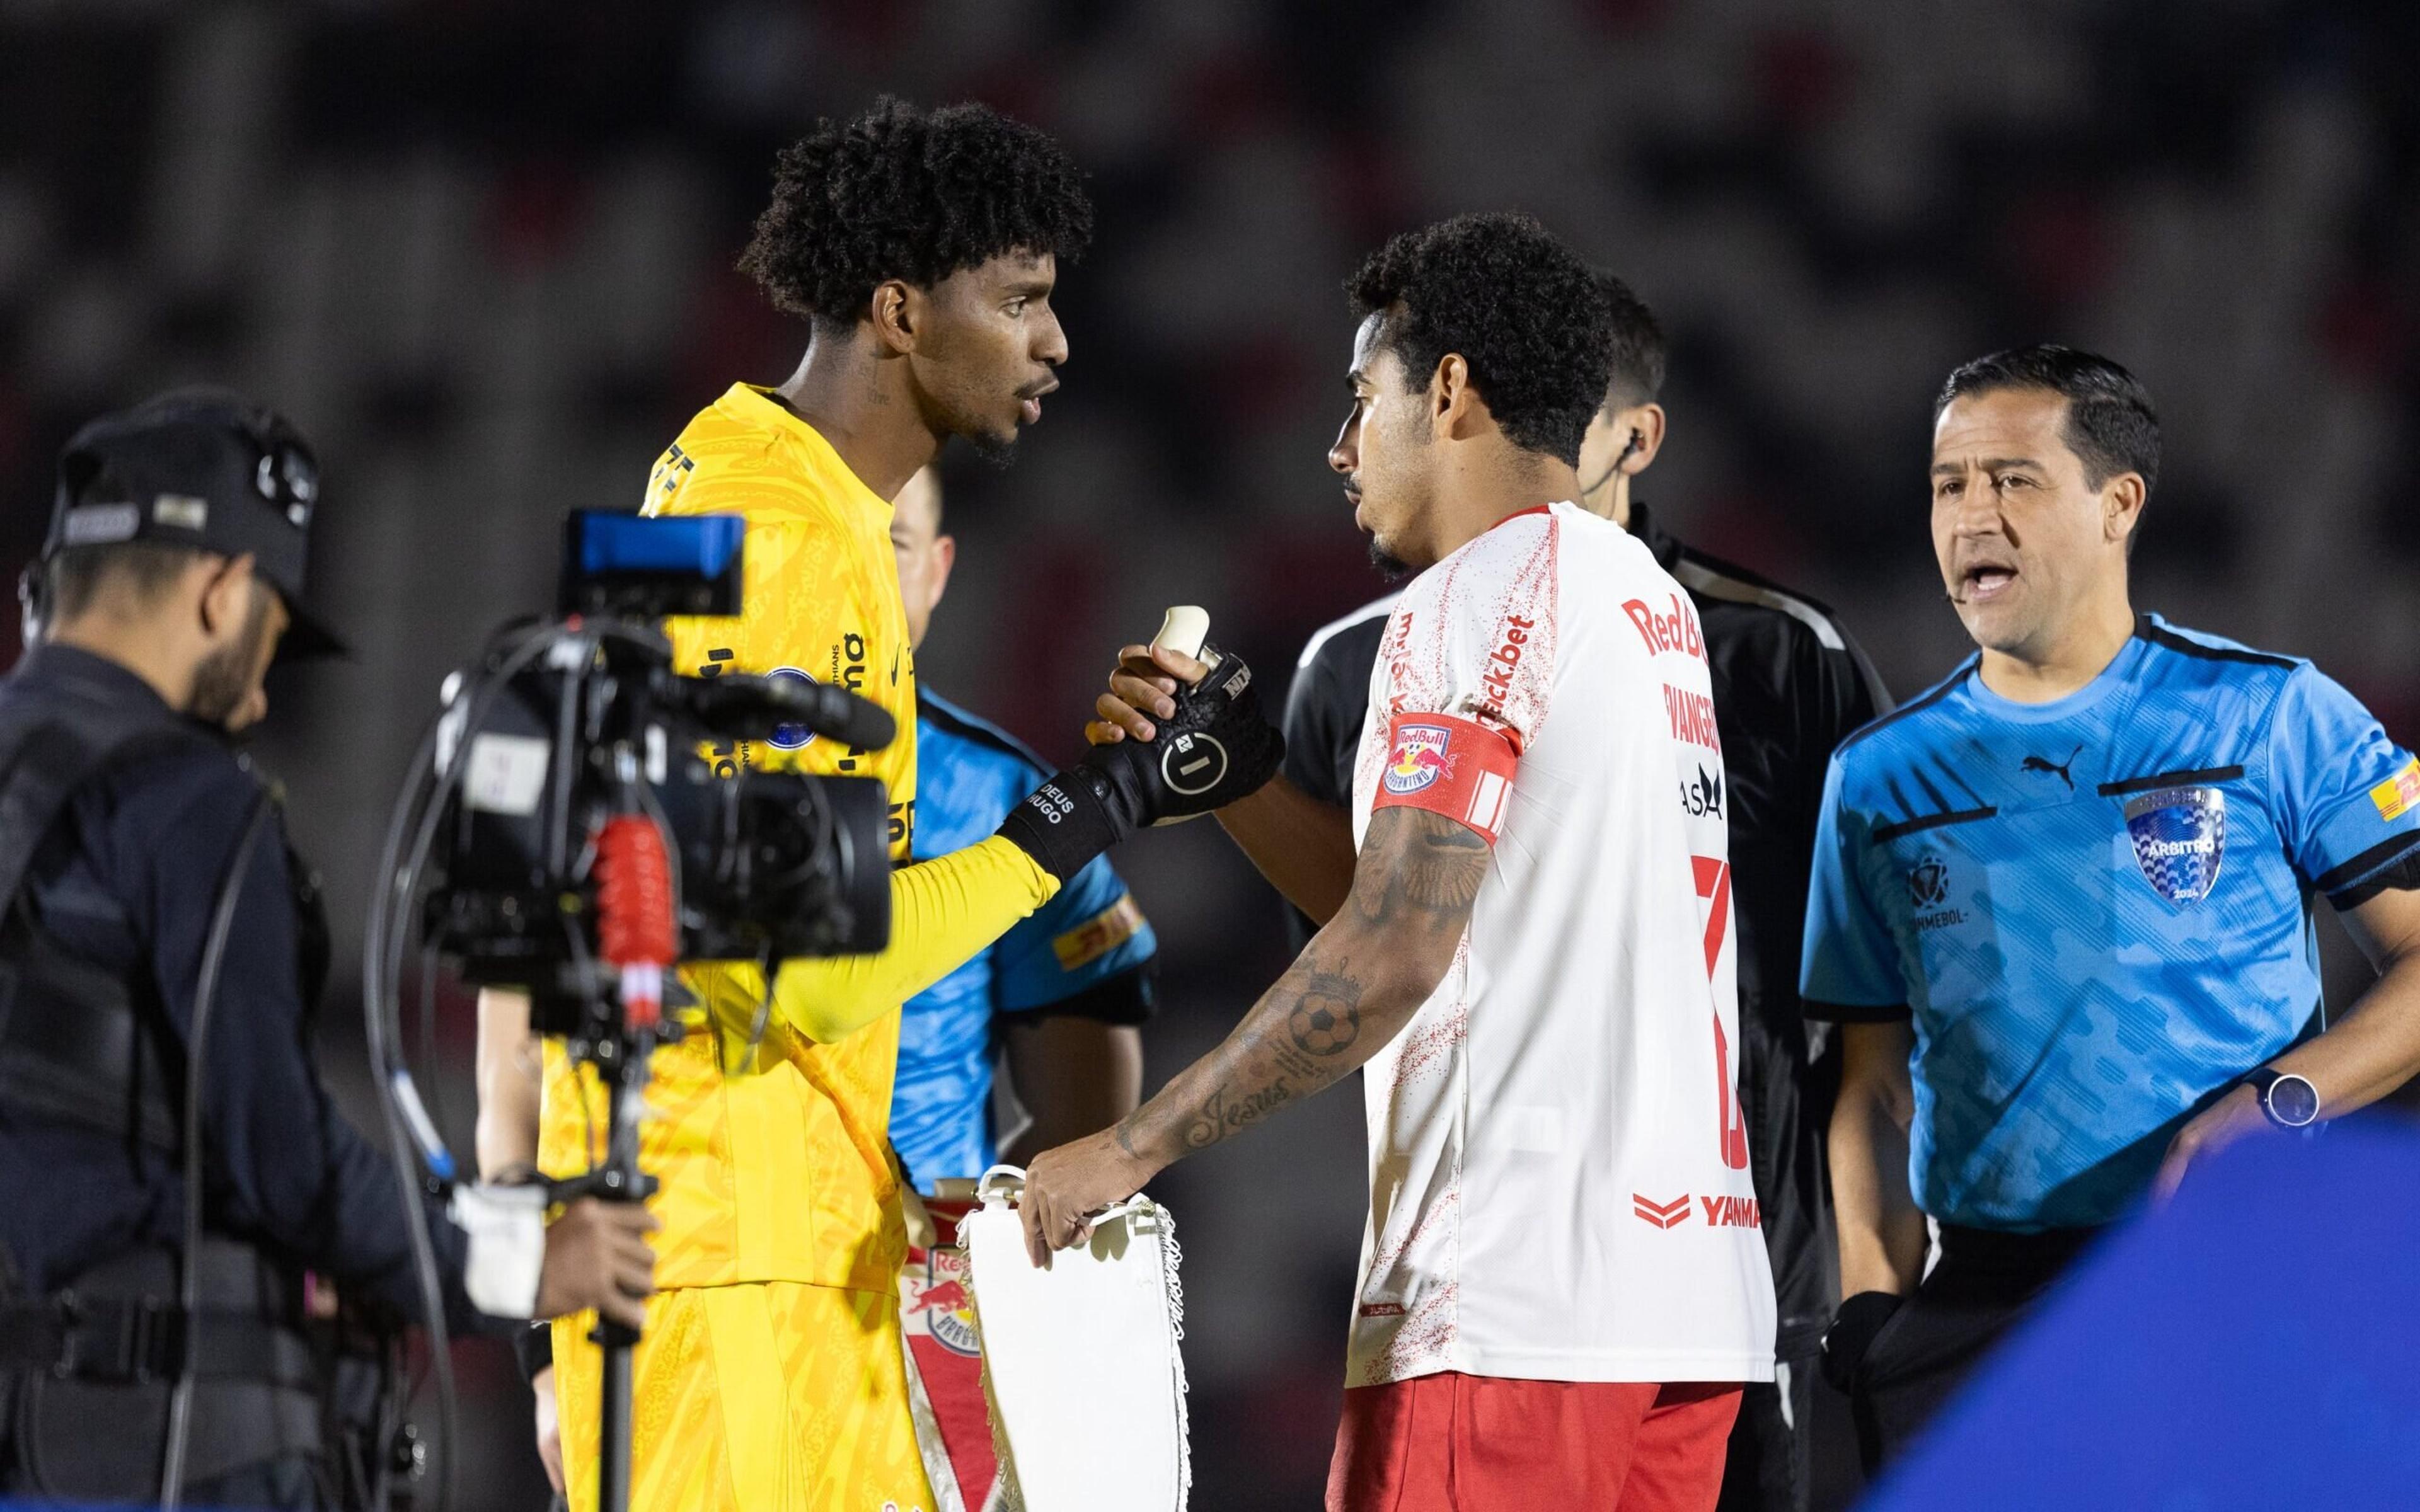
x=1448, y=766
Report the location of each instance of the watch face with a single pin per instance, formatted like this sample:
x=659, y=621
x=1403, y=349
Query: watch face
x=2293, y=1102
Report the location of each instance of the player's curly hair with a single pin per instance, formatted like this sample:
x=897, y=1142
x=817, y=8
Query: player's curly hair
x=1526, y=314
x=900, y=192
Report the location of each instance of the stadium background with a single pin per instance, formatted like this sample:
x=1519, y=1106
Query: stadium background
x=482, y=253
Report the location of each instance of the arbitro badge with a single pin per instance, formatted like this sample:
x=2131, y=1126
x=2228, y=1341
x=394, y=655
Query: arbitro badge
x=2180, y=837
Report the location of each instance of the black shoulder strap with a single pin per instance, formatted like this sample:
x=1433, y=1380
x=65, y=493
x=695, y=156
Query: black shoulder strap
x=49, y=750
x=89, y=1067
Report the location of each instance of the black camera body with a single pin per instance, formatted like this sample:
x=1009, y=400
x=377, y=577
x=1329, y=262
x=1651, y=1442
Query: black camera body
x=553, y=740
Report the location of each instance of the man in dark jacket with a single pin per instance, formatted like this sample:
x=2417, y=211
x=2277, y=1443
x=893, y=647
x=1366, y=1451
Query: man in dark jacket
x=1790, y=685
x=155, y=916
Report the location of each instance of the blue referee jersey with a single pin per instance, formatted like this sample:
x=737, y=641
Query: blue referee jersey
x=1088, y=950
x=2096, y=911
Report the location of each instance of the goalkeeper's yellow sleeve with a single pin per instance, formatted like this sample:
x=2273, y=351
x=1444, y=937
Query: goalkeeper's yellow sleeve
x=942, y=912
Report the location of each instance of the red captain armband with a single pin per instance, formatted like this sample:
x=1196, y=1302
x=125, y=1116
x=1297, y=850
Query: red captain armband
x=1448, y=766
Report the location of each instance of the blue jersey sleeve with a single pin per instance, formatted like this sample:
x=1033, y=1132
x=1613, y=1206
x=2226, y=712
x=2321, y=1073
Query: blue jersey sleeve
x=1850, y=969
x=2348, y=797
x=1086, y=943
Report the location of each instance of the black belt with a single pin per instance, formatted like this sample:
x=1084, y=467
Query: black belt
x=122, y=1340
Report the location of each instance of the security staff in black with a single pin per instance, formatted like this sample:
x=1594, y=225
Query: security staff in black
x=1790, y=685
x=159, y=936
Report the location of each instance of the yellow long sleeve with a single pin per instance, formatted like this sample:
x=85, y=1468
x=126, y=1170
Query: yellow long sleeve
x=942, y=912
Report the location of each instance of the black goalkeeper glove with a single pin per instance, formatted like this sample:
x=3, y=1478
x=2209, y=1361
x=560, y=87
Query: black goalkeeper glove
x=1851, y=1337
x=1219, y=746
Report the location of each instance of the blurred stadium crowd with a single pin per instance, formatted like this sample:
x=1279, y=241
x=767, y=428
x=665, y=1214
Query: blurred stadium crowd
x=482, y=253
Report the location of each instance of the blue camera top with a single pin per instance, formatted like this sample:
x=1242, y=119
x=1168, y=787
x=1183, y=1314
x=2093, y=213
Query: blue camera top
x=646, y=567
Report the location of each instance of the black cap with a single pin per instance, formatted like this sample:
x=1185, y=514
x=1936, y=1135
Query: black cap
x=204, y=468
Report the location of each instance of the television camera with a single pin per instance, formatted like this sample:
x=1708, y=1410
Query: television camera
x=579, y=820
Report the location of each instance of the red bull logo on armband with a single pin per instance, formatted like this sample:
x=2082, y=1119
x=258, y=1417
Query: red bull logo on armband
x=1417, y=759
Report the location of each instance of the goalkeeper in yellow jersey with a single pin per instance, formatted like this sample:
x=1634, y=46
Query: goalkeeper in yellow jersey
x=923, y=248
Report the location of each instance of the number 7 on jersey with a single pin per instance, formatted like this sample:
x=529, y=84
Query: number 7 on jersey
x=1714, y=885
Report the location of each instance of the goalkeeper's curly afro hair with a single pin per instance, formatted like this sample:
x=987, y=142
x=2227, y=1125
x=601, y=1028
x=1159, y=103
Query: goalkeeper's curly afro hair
x=900, y=192
x=1529, y=317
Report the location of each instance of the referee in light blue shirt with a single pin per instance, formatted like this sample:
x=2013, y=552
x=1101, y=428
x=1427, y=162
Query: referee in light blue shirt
x=2063, y=903
x=1060, y=998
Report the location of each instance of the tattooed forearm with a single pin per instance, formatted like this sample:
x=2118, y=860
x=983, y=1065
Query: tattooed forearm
x=1412, y=894
x=1304, y=1034
x=1224, y=1112
x=1418, y=873
x=1326, y=1017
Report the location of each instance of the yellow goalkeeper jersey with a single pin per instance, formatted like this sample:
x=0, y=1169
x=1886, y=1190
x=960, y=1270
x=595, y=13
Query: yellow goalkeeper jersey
x=773, y=1163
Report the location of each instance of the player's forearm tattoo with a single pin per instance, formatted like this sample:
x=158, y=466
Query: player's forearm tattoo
x=1220, y=1117
x=1326, y=1017
x=1413, y=889
x=1431, y=876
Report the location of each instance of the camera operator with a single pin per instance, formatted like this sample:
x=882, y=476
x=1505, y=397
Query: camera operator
x=160, y=935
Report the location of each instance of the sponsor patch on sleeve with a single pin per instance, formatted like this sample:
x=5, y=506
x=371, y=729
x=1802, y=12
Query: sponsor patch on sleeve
x=2399, y=795
x=1455, y=767
x=1098, y=936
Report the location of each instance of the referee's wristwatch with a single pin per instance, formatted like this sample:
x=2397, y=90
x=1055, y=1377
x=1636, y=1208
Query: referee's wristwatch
x=2290, y=1102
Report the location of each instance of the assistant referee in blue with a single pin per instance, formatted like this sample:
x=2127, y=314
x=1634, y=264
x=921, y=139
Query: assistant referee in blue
x=2063, y=903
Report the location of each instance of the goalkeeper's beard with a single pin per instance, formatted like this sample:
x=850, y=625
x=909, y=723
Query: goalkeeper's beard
x=995, y=447
x=998, y=451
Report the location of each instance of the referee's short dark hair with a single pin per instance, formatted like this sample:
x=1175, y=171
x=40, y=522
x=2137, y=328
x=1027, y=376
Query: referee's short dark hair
x=2111, y=425
x=1639, y=349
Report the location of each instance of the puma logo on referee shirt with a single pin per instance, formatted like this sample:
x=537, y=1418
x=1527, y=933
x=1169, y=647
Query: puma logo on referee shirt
x=2043, y=764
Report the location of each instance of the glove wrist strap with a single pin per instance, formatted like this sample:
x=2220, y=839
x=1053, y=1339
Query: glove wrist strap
x=1065, y=824
x=533, y=1349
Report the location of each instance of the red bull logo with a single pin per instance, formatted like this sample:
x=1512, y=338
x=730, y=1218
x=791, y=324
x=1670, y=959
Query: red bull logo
x=1676, y=632
x=949, y=1295
x=938, y=1304
x=1417, y=759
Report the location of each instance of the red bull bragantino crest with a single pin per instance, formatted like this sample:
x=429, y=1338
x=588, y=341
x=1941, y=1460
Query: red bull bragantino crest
x=941, y=1305
x=945, y=1368
x=1419, y=758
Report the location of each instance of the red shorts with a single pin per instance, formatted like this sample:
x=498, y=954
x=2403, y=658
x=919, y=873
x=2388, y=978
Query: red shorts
x=1453, y=1443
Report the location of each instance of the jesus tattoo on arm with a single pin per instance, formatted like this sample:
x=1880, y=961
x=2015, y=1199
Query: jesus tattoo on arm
x=1356, y=985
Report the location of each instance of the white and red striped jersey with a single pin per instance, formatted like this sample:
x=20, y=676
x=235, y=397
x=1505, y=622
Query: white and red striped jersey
x=1558, y=1168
